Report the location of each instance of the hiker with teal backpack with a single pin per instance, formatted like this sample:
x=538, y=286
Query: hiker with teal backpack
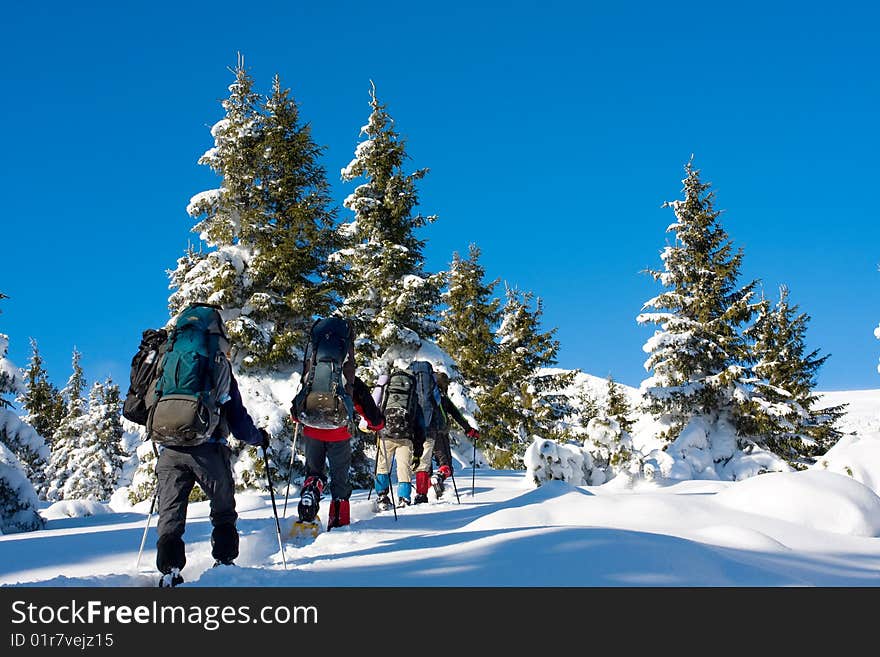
x=185, y=394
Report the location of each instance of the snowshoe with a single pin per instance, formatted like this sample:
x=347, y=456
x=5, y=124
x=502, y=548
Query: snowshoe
x=437, y=484
x=219, y=562
x=383, y=503
x=310, y=499
x=403, y=502
x=304, y=529
x=420, y=498
x=170, y=580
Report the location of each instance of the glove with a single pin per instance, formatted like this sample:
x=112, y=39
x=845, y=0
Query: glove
x=376, y=427
x=473, y=433
x=265, y=436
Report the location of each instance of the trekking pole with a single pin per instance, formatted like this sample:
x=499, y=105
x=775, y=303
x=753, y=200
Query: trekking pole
x=454, y=487
x=290, y=468
x=473, y=468
x=150, y=514
x=274, y=509
x=375, y=467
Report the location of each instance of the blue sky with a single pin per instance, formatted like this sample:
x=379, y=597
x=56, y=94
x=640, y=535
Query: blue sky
x=554, y=131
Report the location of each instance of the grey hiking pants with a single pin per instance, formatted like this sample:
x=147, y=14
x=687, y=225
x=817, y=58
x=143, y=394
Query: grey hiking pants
x=178, y=470
x=338, y=453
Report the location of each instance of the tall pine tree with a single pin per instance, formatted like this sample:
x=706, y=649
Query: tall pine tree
x=267, y=232
x=699, y=357
x=96, y=463
x=41, y=400
x=66, y=440
x=469, y=319
x=527, y=400
x=786, y=417
x=18, y=499
x=385, y=288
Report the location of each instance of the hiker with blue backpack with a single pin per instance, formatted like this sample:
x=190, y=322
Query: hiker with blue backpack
x=185, y=394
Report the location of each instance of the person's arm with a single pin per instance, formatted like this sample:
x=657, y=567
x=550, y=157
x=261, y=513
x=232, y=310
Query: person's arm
x=454, y=413
x=240, y=422
x=366, y=407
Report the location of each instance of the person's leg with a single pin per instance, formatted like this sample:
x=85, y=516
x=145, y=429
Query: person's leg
x=384, y=454
x=313, y=485
x=339, y=456
x=443, y=456
x=175, y=480
x=403, y=455
x=423, y=470
x=443, y=453
x=212, y=466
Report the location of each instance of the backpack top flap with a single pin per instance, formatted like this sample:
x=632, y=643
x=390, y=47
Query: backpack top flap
x=192, y=349
x=426, y=387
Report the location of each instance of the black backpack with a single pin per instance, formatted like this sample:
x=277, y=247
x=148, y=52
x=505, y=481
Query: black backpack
x=144, y=367
x=324, y=400
x=400, y=405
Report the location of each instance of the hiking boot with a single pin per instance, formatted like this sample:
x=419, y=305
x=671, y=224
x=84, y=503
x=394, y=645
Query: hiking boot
x=171, y=579
x=223, y=562
x=309, y=501
x=402, y=502
x=420, y=498
x=383, y=502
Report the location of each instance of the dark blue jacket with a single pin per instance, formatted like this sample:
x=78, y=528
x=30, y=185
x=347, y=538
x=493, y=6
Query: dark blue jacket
x=235, y=418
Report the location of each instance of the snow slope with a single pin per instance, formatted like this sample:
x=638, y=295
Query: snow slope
x=818, y=528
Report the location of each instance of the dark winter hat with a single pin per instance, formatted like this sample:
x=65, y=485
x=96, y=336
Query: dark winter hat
x=442, y=380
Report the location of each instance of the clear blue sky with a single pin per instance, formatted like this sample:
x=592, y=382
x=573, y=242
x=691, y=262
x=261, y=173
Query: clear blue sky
x=554, y=132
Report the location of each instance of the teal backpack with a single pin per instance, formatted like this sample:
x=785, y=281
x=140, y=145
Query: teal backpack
x=193, y=379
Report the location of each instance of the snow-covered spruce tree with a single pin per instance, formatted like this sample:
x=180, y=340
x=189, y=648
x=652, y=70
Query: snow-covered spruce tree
x=469, y=319
x=608, y=439
x=528, y=400
x=699, y=357
x=267, y=233
x=96, y=464
x=66, y=439
x=379, y=269
x=618, y=406
x=18, y=499
x=386, y=291
x=41, y=400
x=33, y=452
x=785, y=415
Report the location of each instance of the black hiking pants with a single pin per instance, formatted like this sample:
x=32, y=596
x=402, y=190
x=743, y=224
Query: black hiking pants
x=338, y=453
x=178, y=470
x=442, y=449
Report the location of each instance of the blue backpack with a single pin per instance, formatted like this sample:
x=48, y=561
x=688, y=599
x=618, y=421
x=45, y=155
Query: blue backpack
x=428, y=393
x=193, y=379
